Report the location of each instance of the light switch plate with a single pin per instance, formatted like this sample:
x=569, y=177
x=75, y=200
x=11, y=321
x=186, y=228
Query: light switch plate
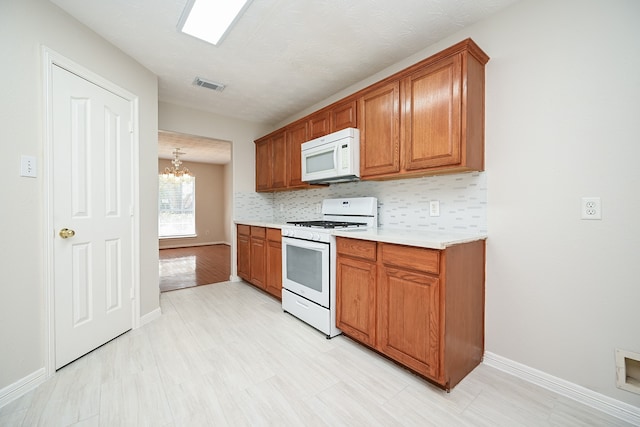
x=28, y=166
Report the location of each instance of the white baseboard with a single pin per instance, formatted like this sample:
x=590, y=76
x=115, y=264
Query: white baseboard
x=613, y=407
x=151, y=316
x=233, y=278
x=22, y=386
x=193, y=245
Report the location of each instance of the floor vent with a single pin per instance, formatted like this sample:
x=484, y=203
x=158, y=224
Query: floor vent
x=628, y=371
x=209, y=84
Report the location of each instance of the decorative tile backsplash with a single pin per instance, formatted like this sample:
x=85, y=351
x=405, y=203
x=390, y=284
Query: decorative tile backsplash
x=402, y=203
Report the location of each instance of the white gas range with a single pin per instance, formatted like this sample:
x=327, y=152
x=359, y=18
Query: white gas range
x=309, y=260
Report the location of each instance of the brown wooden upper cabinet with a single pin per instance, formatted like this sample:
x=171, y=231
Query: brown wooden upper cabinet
x=344, y=115
x=441, y=118
x=424, y=120
x=278, y=159
x=379, y=130
x=271, y=160
x=296, y=134
x=319, y=124
x=263, y=164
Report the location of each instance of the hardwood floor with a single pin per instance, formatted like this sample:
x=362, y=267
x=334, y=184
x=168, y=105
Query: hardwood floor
x=199, y=265
x=226, y=355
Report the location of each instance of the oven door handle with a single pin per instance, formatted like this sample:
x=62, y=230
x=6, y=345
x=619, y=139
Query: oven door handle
x=307, y=244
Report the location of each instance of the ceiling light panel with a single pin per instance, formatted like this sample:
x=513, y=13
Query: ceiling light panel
x=210, y=20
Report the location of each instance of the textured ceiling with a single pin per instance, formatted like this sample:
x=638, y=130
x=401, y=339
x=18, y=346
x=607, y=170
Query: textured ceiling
x=195, y=148
x=281, y=56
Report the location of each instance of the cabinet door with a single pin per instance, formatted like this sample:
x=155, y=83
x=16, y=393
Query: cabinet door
x=356, y=299
x=344, y=116
x=296, y=135
x=278, y=161
x=244, y=256
x=258, y=262
x=409, y=319
x=431, y=116
x=274, y=263
x=263, y=165
x=379, y=112
x=319, y=124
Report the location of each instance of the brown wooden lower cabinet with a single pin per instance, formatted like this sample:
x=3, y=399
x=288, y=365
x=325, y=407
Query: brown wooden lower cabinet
x=423, y=308
x=244, y=252
x=274, y=262
x=260, y=257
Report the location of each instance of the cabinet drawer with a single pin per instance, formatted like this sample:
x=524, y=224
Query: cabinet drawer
x=274, y=234
x=354, y=248
x=244, y=230
x=420, y=259
x=259, y=232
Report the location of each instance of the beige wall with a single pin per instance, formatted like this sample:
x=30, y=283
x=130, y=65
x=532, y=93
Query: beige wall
x=25, y=26
x=210, y=205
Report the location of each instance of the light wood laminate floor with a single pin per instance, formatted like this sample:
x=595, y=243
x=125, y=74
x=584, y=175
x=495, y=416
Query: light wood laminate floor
x=226, y=355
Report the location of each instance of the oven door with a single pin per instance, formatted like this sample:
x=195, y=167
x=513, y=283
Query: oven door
x=305, y=269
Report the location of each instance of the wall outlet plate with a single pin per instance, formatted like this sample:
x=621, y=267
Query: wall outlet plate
x=434, y=208
x=591, y=208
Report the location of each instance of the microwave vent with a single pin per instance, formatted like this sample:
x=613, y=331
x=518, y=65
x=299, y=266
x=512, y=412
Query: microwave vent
x=209, y=84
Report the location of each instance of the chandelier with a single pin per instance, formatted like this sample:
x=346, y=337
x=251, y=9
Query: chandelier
x=175, y=173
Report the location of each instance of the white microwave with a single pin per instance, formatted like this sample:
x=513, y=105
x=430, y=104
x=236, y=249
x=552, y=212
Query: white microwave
x=332, y=158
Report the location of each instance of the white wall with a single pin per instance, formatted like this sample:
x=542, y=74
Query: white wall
x=25, y=26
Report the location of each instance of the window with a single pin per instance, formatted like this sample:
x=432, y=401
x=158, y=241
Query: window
x=176, y=206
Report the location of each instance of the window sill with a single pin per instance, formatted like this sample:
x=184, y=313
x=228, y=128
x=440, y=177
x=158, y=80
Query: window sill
x=186, y=236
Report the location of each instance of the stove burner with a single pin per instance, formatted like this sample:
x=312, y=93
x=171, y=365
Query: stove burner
x=326, y=224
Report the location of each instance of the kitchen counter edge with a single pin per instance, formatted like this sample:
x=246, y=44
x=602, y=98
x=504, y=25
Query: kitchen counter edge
x=259, y=223
x=422, y=239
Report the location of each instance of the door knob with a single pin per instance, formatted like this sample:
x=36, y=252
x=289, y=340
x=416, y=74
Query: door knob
x=65, y=233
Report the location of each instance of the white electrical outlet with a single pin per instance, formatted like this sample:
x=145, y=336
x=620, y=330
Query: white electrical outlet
x=434, y=208
x=591, y=208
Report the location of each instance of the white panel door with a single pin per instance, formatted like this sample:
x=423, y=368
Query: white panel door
x=92, y=197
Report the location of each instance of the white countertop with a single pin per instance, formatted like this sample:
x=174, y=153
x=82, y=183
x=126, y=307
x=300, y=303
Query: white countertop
x=419, y=238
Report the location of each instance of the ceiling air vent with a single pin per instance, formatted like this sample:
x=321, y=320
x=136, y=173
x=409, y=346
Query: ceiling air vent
x=208, y=84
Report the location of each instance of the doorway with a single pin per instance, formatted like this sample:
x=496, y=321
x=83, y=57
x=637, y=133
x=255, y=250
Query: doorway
x=200, y=255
